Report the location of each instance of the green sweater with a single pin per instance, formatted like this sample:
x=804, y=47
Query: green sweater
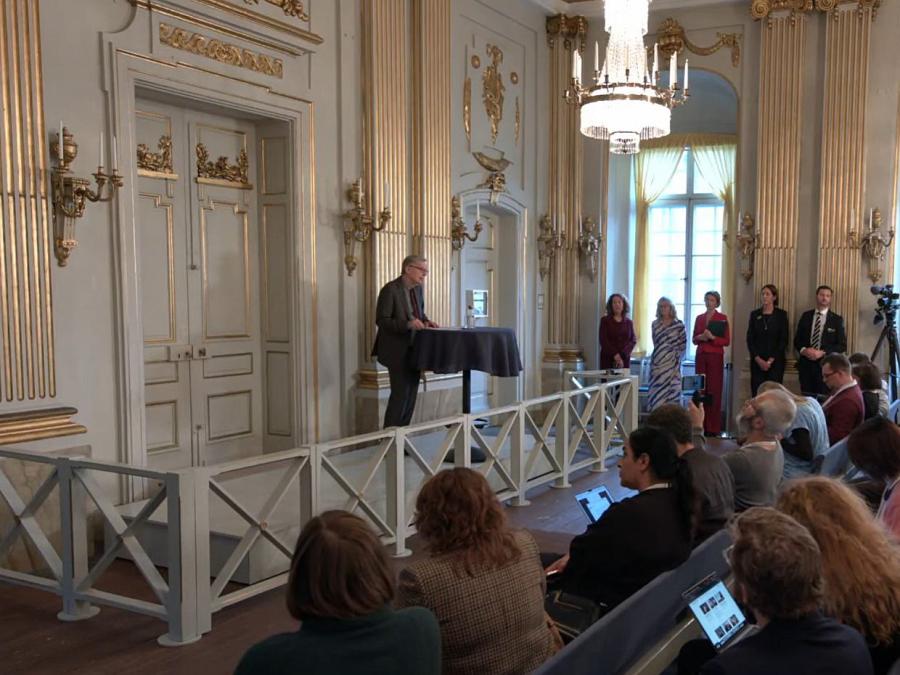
x=405, y=641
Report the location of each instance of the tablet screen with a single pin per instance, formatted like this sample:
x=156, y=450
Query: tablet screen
x=717, y=613
x=595, y=502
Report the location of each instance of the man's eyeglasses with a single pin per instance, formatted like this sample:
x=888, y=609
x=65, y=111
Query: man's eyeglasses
x=423, y=270
x=826, y=375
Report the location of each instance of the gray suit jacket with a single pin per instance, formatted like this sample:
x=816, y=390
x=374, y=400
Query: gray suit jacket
x=392, y=316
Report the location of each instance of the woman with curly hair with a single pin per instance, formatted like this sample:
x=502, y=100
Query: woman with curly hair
x=860, y=564
x=483, y=581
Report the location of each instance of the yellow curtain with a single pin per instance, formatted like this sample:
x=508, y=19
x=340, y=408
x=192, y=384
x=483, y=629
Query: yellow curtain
x=715, y=156
x=654, y=167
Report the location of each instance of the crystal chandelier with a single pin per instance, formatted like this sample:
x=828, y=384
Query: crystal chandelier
x=626, y=104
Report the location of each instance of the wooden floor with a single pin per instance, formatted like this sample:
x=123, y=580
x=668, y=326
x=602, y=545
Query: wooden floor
x=33, y=641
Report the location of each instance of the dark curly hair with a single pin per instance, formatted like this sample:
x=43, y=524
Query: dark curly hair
x=625, y=306
x=458, y=515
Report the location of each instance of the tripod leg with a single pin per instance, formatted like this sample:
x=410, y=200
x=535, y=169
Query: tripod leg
x=894, y=361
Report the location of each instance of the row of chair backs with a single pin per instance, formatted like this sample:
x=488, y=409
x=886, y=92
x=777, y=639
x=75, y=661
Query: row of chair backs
x=621, y=637
x=834, y=462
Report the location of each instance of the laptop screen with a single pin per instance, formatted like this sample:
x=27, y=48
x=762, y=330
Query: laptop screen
x=595, y=502
x=716, y=611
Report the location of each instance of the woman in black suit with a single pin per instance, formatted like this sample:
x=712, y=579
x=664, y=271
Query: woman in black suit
x=767, y=338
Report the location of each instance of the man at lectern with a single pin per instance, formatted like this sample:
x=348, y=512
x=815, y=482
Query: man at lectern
x=400, y=312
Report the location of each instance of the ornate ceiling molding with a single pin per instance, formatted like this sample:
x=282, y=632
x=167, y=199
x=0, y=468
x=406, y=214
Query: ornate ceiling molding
x=568, y=28
x=289, y=7
x=672, y=38
x=761, y=9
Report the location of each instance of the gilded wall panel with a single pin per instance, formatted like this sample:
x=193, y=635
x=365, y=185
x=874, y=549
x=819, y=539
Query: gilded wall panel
x=842, y=197
x=27, y=367
x=778, y=151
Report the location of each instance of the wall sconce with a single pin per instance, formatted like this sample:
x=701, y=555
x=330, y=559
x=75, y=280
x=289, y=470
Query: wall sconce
x=359, y=225
x=747, y=240
x=458, y=230
x=874, y=244
x=589, y=245
x=71, y=192
x=548, y=242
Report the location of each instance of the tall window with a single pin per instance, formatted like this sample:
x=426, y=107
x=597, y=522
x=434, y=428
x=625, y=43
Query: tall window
x=685, y=257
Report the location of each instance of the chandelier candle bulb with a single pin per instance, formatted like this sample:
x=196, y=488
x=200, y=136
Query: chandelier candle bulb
x=685, y=75
x=59, y=151
x=100, y=155
x=477, y=212
x=655, y=59
x=673, y=64
x=576, y=65
x=115, y=157
x=596, y=56
x=387, y=195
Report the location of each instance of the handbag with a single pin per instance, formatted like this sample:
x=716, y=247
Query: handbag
x=572, y=614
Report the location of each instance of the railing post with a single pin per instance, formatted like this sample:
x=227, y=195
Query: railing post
x=396, y=492
x=598, y=435
x=633, y=411
x=517, y=459
x=462, y=448
x=309, y=486
x=561, y=442
x=73, y=530
x=202, y=565
x=181, y=598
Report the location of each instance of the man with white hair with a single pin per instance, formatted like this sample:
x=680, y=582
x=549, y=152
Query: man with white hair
x=758, y=464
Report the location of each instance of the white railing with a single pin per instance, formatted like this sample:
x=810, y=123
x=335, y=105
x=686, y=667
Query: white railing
x=67, y=570
x=377, y=475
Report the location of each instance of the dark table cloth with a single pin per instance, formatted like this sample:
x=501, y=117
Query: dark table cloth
x=451, y=350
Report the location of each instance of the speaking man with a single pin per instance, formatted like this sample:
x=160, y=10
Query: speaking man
x=399, y=314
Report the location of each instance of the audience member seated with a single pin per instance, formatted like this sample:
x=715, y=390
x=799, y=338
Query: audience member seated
x=860, y=565
x=875, y=448
x=340, y=587
x=778, y=575
x=483, y=581
x=806, y=438
x=713, y=482
x=637, y=538
x=844, y=409
x=875, y=398
x=758, y=464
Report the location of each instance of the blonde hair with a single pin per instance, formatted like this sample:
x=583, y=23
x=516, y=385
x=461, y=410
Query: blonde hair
x=861, y=566
x=777, y=386
x=671, y=304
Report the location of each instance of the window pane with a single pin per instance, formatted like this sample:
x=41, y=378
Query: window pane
x=708, y=229
x=678, y=184
x=668, y=243
x=706, y=275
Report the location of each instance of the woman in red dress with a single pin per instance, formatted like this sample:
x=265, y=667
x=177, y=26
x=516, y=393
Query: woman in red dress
x=617, y=337
x=710, y=359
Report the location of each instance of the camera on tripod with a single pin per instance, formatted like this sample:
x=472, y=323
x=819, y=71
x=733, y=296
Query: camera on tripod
x=886, y=303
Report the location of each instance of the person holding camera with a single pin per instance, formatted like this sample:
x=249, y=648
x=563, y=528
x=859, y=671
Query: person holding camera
x=820, y=332
x=712, y=335
x=767, y=338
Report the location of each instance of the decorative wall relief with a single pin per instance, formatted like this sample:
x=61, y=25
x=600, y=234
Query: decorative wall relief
x=496, y=180
x=156, y=162
x=221, y=170
x=672, y=38
x=518, y=120
x=220, y=51
x=467, y=108
x=289, y=7
x=747, y=241
x=493, y=90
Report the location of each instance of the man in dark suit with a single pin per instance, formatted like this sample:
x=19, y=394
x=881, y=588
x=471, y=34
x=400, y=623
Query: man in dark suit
x=819, y=332
x=400, y=312
x=777, y=570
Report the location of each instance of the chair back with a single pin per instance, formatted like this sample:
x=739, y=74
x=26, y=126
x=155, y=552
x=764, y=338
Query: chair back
x=893, y=411
x=834, y=462
x=622, y=637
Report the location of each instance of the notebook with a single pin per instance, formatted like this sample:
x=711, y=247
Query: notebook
x=718, y=613
x=717, y=328
x=595, y=502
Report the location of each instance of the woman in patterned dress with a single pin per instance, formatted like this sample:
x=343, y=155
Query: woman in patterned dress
x=669, y=343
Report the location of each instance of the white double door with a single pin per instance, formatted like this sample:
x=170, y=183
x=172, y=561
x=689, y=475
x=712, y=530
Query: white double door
x=198, y=266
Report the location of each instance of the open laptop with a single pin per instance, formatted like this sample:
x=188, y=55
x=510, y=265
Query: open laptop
x=718, y=613
x=595, y=502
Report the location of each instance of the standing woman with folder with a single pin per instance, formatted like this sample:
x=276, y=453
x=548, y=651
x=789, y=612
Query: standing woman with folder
x=712, y=335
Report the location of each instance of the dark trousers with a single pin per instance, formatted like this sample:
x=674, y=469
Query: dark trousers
x=810, y=376
x=404, y=389
x=758, y=375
